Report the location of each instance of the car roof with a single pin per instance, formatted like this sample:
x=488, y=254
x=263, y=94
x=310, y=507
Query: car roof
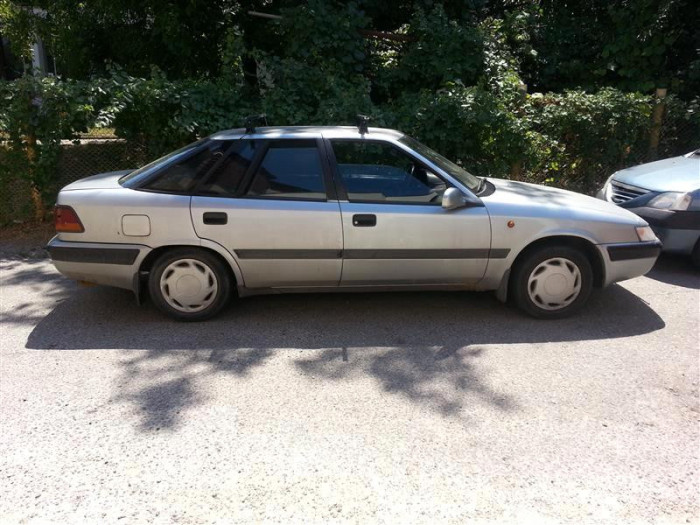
x=333, y=132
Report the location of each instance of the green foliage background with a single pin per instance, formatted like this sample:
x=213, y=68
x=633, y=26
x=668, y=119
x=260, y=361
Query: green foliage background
x=162, y=73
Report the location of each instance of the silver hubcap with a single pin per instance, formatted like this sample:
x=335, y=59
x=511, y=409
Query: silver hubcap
x=188, y=285
x=554, y=283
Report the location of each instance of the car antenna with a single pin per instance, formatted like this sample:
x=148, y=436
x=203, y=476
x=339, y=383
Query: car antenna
x=251, y=120
x=362, y=121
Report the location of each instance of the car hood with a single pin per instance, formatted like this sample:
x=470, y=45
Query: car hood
x=554, y=202
x=674, y=174
x=98, y=182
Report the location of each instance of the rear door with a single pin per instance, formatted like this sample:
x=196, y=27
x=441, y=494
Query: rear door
x=269, y=204
x=396, y=231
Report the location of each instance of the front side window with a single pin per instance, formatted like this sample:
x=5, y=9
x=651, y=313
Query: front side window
x=381, y=172
x=290, y=169
x=458, y=172
x=181, y=175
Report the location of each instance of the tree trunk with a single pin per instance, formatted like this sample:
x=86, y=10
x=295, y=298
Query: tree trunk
x=37, y=199
x=38, y=202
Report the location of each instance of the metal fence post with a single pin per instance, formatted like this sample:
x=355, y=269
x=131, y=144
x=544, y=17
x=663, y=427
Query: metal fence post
x=657, y=119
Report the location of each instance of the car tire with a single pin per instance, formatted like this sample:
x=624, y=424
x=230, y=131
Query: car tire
x=552, y=282
x=189, y=284
x=695, y=255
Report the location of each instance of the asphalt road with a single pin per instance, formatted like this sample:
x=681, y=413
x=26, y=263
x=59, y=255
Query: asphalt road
x=393, y=408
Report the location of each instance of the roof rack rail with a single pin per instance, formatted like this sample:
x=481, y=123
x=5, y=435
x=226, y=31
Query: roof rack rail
x=362, y=123
x=251, y=120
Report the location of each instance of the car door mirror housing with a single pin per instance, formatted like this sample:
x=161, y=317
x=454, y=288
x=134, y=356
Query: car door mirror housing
x=453, y=199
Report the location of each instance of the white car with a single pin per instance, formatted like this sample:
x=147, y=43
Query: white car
x=337, y=209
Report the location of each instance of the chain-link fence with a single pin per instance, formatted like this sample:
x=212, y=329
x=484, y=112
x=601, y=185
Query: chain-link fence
x=78, y=160
x=91, y=156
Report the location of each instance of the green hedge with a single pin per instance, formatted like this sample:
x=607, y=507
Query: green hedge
x=572, y=139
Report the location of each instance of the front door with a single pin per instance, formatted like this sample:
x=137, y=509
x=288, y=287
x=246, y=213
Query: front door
x=267, y=204
x=396, y=231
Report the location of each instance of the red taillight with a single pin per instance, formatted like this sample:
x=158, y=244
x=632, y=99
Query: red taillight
x=66, y=220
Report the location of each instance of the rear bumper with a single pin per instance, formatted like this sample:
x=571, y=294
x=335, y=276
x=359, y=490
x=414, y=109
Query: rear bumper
x=108, y=264
x=628, y=260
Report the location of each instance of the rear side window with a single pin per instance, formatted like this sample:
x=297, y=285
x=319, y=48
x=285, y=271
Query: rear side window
x=226, y=177
x=181, y=175
x=290, y=169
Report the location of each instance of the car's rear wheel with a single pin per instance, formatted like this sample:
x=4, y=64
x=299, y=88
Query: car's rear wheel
x=552, y=282
x=189, y=284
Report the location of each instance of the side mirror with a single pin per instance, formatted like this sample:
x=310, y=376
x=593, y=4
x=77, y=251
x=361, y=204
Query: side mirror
x=453, y=199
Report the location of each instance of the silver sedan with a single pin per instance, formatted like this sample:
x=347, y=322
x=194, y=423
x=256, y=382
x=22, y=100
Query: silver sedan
x=292, y=209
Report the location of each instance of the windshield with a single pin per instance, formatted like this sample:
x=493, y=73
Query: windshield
x=135, y=178
x=470, y=181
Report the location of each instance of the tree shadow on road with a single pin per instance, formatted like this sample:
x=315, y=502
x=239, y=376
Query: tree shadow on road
x=422, y=346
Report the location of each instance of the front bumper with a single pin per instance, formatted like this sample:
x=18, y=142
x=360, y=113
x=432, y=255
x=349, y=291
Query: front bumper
x=678, y=230
x=628, y=260
x=100, y=263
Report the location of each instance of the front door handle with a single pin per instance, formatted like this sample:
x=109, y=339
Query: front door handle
x=364, y=219
x=215, y=217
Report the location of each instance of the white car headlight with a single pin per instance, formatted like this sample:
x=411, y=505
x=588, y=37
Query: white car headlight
x=645, y=233
x=607, y=188
x=671, y=201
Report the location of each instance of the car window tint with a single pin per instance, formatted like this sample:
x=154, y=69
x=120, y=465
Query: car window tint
x=181, y=175
x=136, y=177
x=290, y=169
x=227, y=176
x=380, y=172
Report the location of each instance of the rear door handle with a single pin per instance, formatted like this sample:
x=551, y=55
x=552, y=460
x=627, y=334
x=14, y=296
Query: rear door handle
x=215, y=217
x=364, y=219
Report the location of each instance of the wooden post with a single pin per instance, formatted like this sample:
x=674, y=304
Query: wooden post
x=657, y=119
x=516, y=168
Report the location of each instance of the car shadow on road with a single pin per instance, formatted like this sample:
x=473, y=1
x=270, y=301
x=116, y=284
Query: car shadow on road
x=423, y=346
x=677, y=270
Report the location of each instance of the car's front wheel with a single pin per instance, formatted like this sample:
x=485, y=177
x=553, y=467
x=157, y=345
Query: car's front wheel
x=552, y=282
x=189, y=284
x=695, y=255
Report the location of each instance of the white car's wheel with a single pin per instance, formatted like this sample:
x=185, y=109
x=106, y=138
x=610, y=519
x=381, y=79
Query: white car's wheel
x=552, y=282
x=189, y=284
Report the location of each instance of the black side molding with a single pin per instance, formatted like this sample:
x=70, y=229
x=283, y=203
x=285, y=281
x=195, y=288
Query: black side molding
x=478, y=253
x=642, y=250
x=121, y=256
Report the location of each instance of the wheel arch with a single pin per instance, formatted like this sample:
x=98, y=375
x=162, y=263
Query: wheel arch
x=587, y=247
x=228, y=261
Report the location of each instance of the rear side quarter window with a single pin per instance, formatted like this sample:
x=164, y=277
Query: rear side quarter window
x=182, y=175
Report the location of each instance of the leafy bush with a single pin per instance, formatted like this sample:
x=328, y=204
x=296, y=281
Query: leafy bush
x=162, y=115
x=577, y=139
x=442, y=51
x=467, y=124
x=573, y=140
x=316, y=76
x=35, y=115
